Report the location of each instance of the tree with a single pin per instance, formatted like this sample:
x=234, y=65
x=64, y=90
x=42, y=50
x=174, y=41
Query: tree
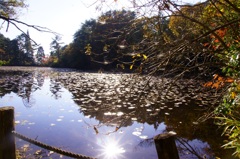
x=17, y=56
x=29, y=48
x=104, y=43
x=113, y=38
x=223, y=17
x=25, y=46
x=40, y=55
x=9, y=15
x=204, y=41
x=4, y=46
x=9, y=9
x=56, y=46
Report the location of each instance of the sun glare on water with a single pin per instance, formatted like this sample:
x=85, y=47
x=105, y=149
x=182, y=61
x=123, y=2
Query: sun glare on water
x=111, y=150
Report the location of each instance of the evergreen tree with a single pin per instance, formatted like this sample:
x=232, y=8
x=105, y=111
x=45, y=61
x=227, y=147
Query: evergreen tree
x=29, y=49
x=25, y=46
x=56, y=46
x=17, y=56
x=40, y=55
x=4, y=57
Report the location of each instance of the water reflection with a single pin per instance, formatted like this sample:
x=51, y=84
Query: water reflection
x=193, y=149
x=55, y=88
x=111, y=148
x=111, y=115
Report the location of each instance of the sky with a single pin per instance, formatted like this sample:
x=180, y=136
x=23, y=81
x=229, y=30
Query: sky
x=62, y=16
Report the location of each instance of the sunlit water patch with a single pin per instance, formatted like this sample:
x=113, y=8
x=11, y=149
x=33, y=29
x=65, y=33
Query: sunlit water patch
x=107, y=115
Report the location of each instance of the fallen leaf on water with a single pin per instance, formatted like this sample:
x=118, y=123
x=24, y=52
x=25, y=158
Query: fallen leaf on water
x=137, y=133
x=50, y=153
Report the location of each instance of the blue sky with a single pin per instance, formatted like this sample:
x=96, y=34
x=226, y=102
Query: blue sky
x=62, y=16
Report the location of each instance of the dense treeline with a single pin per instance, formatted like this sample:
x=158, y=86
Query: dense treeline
x=119, y=41
x=103, y=44
x=19, y=51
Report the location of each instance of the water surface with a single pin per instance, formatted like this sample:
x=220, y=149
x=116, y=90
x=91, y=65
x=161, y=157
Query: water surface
x=109, y=115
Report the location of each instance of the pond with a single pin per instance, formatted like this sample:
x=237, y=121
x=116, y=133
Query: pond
x=109, y=115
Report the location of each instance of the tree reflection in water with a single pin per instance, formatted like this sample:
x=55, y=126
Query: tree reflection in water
x=55, y=88
x=187, y=149
x=119, y=101
x=192, y=149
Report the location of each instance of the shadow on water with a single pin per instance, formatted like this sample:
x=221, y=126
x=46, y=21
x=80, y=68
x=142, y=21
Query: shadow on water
x=120, y=101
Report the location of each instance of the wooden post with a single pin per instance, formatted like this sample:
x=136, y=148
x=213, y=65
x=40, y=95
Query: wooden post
x=7, y=139
x=165, y=145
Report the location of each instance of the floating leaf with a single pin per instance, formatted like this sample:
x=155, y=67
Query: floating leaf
x=24, y=122
x=143, y=137
x=136, y=133
x=195, y=123
x=134, y=119
x=50, y=153
x=59, y=119
x=167, y=114
x=25, y=147
x=52, y=124
x=38, y=152
x=120, y=113
x=122, y=46
x=17, y=122
x=131, y=107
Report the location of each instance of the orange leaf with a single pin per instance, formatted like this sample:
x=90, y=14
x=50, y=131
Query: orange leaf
x=208, y=84
x=217, y=85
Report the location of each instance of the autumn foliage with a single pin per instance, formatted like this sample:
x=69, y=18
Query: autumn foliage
x=218, y=82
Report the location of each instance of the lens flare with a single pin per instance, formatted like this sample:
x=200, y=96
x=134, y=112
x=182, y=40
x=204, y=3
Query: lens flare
x=111, y=150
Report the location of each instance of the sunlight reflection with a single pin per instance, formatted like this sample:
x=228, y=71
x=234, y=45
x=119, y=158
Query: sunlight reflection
x=111, y=149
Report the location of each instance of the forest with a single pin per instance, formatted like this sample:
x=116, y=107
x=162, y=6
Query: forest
x=173, y=40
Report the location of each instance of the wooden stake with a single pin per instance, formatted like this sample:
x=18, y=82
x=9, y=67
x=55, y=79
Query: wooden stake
x=7, y=139
x=165, y=145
